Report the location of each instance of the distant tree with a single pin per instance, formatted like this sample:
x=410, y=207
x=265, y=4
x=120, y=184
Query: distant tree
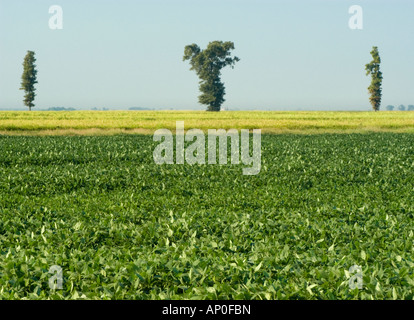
x=389, y=108
x=410, y=107
x=60, y=109
x=139, y=108
x=207, y=64
x=29, y=79
x=401, y=107
x=373, y=69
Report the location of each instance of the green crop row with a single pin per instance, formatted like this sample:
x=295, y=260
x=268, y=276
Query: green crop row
x=122, y=227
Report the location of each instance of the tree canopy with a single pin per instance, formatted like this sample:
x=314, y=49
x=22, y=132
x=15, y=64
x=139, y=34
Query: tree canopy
x=207, y=64
x=29, y=79
x=373, y=69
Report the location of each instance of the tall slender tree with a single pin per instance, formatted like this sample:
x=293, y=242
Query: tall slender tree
x=207, y=64
x=373, y=69
x=29, y=79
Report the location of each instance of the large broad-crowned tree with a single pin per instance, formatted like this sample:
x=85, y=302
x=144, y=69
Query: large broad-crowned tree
x=29, y=79
x=373, y=69
x=207, y=64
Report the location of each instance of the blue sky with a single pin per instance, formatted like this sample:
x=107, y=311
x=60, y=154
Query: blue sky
x=128, y=53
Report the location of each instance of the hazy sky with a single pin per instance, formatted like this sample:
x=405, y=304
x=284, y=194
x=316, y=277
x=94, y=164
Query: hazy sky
x=128, y=53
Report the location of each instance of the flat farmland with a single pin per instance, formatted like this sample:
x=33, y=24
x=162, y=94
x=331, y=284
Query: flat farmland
x=146, y=122
x=122, y=227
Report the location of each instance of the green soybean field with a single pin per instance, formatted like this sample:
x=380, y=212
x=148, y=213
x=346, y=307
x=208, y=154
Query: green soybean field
x=122, y=227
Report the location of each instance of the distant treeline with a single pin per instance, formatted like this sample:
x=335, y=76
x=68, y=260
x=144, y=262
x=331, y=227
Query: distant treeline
x=401, y=107
x=60, y=109
x=139, y=108
x=93, y=109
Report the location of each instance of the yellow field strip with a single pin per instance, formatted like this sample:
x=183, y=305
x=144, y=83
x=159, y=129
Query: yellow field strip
x=146, y=122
